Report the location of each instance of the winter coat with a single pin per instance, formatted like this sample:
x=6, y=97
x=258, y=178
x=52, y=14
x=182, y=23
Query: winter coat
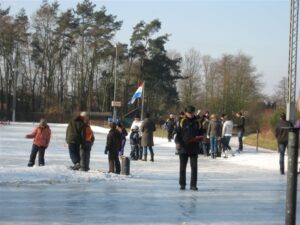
x=41, y=136
x=134, y=138
x=281, y=134
x=227, y=128
x=170, y=124
x=113, y=142
x=240, y=124
x=214, y=128
x=75, y=131
x=147, y=128
x=186, y=133
x=204, y=126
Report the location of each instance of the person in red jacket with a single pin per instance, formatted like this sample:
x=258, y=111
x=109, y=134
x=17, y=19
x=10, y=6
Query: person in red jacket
x=41, y=138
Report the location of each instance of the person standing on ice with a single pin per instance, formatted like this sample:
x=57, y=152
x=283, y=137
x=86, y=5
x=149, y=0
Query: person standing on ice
x=187, y=146
x=226, y=135
x=148, y=127
x=137, y=122
x=75, y=138
x=205, y=142
x=113, y=144
x=281, y=134
x=240, y=127
x=170, y=125
x=214, y=134
x=41, y=137
x=134, y=143
x=85, y=150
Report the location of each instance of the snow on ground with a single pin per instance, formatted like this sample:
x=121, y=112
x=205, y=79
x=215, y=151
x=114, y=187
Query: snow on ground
x=245, y=189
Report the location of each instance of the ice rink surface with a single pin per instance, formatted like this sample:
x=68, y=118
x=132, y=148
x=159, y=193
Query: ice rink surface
x=243, y=190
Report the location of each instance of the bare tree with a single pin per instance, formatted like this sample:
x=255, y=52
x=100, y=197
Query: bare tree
x=190, y=85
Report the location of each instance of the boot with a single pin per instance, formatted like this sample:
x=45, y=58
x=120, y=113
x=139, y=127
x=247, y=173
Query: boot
x=145, y=158
x=152, y=158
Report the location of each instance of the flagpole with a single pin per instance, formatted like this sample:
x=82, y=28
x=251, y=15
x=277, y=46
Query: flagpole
x=143, y=97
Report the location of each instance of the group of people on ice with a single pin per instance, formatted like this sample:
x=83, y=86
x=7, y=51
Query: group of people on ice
x=192, y=132
x=80, y=139
x=216, y=132
x=141, y=138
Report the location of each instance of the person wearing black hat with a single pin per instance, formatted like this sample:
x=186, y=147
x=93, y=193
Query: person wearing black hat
x=187, y=138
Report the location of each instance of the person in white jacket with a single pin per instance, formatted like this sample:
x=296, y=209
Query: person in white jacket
x=226, y=135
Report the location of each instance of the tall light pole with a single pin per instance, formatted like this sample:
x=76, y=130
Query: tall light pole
x=14, y=94
x=293, y=140
x=115, y=86
x=292, y=68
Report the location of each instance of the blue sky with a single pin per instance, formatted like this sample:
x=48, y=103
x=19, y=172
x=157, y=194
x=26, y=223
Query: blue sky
x=259, y=28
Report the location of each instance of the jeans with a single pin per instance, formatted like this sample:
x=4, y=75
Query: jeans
x=150, y=150
x=182, y=170
x=240, y=137
x=226, y=141
x=134, y=154
x=214, y=145
x=281, y=149
x=74, y=151
x=36, y=149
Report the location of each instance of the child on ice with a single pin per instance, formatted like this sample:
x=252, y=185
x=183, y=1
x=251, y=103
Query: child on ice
x=134, y=142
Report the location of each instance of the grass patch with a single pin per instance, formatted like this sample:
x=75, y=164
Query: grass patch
x=162, y=133
x=264, y=141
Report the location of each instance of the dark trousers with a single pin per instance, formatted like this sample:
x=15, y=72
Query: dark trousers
x=140, y=148
x=205, y=147
x=182, y=170
x=114, y=163
x=85, y=154
x=134, y=154
x=240, y=137
x=36, y=149
x=281, y=149
x=74, y=151
x=170, y=135
x=226, y=141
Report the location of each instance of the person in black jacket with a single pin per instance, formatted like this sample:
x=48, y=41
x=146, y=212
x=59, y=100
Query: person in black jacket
x=75, y=138
x=113, y=144
x=240, y=126
x=170, y=124
x=281, y=134
x=187, y=145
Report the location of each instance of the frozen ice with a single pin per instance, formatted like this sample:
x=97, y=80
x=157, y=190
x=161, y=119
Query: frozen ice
x=246, y=189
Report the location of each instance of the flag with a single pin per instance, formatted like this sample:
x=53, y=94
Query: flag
x=138, y=94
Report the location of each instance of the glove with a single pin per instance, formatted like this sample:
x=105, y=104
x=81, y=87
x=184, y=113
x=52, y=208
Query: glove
x=106, y=151
x=207, y=136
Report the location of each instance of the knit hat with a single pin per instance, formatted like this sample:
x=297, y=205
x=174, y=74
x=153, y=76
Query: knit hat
x=190, y=109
